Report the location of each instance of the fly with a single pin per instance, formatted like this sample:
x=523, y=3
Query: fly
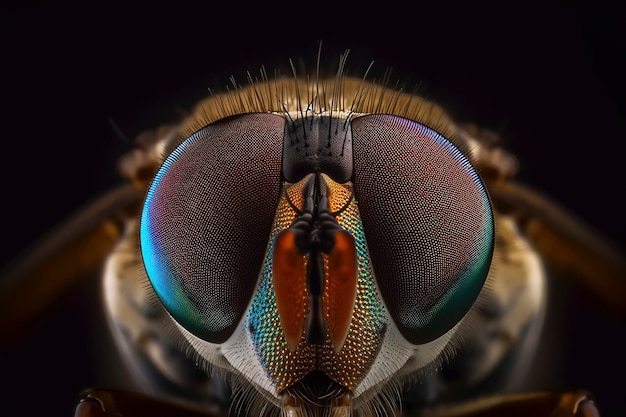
x=326, y=247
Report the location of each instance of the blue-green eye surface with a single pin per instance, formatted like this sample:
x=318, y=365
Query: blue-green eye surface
x=427, y=220
x=206, y=221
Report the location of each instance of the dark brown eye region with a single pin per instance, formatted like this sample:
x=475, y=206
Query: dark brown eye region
x=207, y=218
x=428, y=223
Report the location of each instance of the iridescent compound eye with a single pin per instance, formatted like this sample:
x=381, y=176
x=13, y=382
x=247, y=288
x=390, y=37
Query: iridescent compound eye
x=427, y=220
x=210, y=210
x=207, y=218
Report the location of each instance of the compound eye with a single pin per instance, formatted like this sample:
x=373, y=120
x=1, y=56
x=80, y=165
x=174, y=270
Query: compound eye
x=427, y=220
x=207, y=218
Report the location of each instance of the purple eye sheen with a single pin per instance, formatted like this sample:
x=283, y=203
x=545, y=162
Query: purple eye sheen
x=427, y=220
x=207, y=218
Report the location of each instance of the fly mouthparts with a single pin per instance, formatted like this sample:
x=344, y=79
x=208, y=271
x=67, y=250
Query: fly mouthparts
x=292, y=407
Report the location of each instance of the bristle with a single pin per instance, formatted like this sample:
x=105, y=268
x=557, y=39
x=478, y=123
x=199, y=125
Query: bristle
x=304, y=96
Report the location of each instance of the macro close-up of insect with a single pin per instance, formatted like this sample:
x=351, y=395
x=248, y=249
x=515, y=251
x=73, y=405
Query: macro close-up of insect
x=317, y=237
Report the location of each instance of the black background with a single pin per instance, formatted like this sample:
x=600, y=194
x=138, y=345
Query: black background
x=549, y=78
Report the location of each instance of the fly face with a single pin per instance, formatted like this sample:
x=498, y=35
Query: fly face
x=320, y=242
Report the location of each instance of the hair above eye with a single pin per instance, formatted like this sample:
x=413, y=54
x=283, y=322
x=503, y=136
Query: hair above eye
x=427, y=220
x=207, y=218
